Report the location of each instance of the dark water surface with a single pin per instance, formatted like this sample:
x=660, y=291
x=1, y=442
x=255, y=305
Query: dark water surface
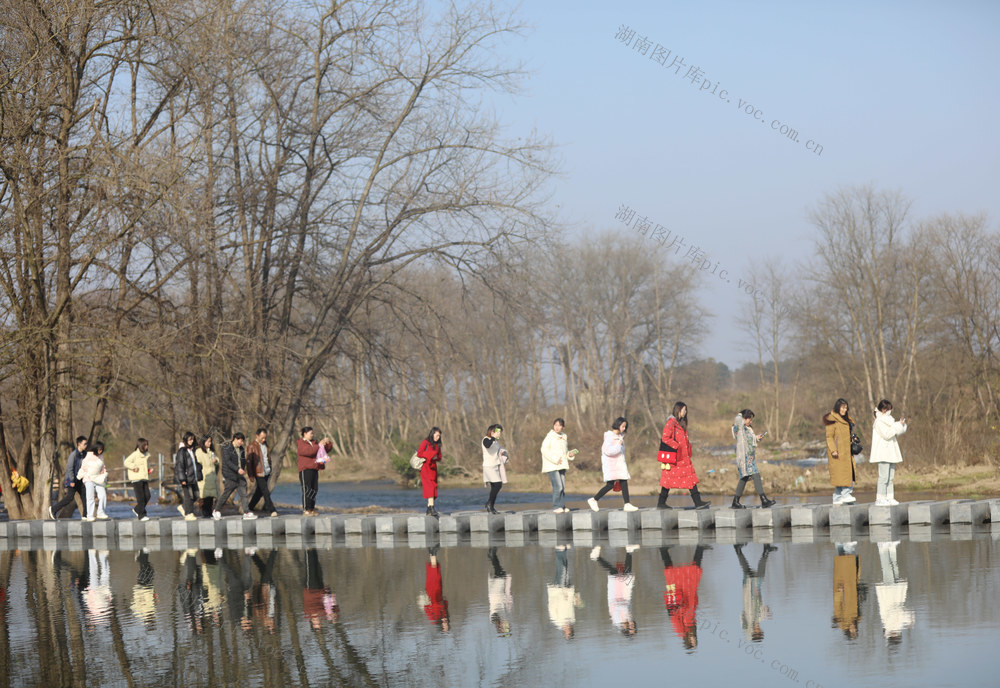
x=804, y=614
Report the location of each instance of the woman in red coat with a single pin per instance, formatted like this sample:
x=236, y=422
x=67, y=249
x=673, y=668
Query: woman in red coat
x=436, y=607
x=430, y=450
x=680, y=595
x=675, y=455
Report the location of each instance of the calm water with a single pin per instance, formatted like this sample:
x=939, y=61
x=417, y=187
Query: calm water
x=807, y=614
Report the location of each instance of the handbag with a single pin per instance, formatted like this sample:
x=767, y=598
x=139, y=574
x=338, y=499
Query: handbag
x=617, y=487
x=856, y=446
x=668, y=455
x=417, y=462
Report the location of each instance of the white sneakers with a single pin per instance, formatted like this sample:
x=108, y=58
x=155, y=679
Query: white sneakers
x=630, y=507
x=144, y=518
x=249, y=516
x=886, y=502
x=190, y=517
x=216, y=515
x=180, y=508
x=592, y=503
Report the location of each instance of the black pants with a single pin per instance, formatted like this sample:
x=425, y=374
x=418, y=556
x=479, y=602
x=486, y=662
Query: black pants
x=610, y=484
x=140, y=488
x=69, y=498
x=189, y=495
x=665, y=492
x=309, y=480
x=238, y=486
x=262, y=491
x=206, y=506
x=494, y=491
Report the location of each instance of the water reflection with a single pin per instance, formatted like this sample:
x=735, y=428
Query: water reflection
x=418, y=616
x=754, y=608
x=681, y=594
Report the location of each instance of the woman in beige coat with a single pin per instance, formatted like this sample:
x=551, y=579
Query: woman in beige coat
x=838, y=452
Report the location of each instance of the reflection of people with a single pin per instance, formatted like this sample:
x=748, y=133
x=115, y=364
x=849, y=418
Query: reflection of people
x=753, y=604
x=495, y=460
x=143, y=594
x=891, y=595
x=97, y=593
x=263, y=595
x=501, y=600
x=436, y=606
x=746, y=458
x=563, y=599
x=846, y=604
x=620, y=585
x=680, y=594
x=838, y=452
x=189, y=590
x=318, y=601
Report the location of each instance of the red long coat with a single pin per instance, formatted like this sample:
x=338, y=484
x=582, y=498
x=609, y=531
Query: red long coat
x=429, y=471
x=438, y=607
x=681, y=596
x=681, y=474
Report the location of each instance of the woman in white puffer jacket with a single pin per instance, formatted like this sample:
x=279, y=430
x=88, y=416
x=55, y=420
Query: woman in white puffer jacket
x=885, y=450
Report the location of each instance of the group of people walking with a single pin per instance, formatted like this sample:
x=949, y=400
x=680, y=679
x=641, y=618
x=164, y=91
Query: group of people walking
x=245, y=469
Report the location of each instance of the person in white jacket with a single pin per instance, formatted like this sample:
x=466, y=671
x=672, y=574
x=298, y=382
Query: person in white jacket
x=94, y=475
x=556, y=456
x=885, y=451
x=613, y=465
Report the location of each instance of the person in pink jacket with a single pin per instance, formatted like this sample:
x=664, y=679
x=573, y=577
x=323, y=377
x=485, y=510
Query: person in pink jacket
x=94, y=475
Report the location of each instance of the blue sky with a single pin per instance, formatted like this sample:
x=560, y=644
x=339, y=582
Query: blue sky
x=902, y=95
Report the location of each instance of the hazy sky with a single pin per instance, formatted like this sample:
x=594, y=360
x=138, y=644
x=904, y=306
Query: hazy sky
x=902, y=95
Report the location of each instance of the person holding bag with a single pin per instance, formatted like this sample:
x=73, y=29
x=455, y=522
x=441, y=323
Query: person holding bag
x=430, y=452
x=495, y=460
x=613, y=466
x=307, y=457
x=840, y=454
x=675, y=457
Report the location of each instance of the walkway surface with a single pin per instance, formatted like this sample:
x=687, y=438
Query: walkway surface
x=807, y=522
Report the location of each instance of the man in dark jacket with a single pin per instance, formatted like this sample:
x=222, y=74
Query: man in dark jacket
x=75, y=486
x=234, y=465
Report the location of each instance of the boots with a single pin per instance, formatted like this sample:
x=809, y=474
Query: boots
x=661, y=503
x=699, y=503
x=736, y=504
x=766, y=503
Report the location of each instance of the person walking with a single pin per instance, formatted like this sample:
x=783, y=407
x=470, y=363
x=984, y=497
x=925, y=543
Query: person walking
x=430, y=452
x=885, y=451
x=495, y=460
x=73, y=486
x=498, y=590
x=259, y=472
x=137, y=471
x=556, y=456
x=613, y=465
x=621, y=583
x=843, y=471
x=186, y=476
x=234, y=474
x=306, y=449
x=208, y=486
x=754, y=609
x=94, y=475
x=563, y=598
x=680, y=594
x=675, y=455
x=435, y=605
x=746, y=458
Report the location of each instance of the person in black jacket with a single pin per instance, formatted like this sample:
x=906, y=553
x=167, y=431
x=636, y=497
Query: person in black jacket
x=234, y=465
x=186, y=476
x=74, y=486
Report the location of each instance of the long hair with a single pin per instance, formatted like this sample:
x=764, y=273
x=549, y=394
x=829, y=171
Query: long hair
x=836, y=409
x=430, y=435
x=683, y=422
x=747, y=413
x=618, y=423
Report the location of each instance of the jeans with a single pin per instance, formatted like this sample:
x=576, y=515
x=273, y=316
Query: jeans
x=558, y=479
x=884, y=490
x=102, y=499
x=240, y=487
x=141, y=490
x=841, y=492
